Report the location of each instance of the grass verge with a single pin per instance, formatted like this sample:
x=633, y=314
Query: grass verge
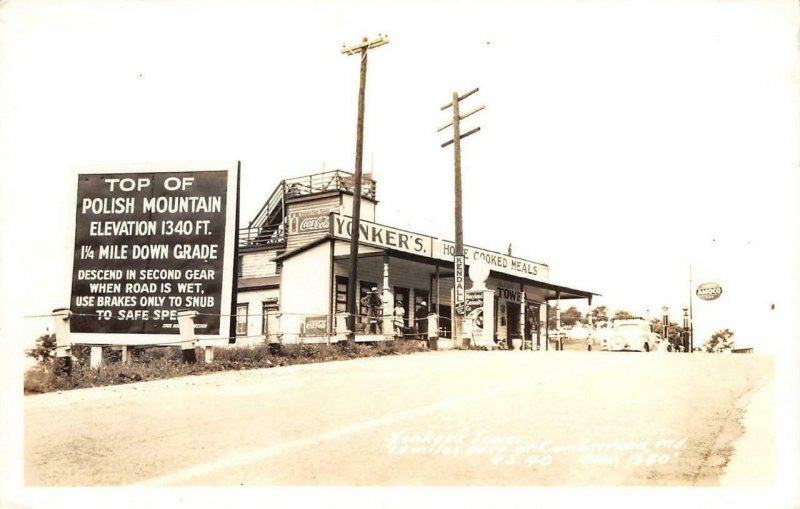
x=166, y=362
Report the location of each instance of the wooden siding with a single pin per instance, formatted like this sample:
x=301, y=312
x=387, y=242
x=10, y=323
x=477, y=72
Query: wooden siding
x=296, y=240
x=259, y=264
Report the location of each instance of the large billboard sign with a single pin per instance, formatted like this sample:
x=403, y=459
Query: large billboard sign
x=148, y=244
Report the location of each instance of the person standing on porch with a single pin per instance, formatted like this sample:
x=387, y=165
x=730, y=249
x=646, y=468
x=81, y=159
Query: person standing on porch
x=399, y=322
x=421, y=317
x=373, y=303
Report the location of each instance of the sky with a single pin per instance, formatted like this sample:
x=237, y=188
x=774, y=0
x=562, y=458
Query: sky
x=622, y=142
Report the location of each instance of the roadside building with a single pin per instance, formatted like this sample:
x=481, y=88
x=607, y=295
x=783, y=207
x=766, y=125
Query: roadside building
x=293, y=272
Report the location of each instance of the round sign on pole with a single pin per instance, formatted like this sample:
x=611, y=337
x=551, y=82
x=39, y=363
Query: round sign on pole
x=709, y=291
x=478, y=274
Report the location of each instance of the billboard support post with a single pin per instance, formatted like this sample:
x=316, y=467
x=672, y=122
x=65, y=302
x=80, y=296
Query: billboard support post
x=96, y=357
x=61, y=327
x=186, y=325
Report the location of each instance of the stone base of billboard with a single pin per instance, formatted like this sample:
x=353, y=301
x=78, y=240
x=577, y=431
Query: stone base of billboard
x=96, y=357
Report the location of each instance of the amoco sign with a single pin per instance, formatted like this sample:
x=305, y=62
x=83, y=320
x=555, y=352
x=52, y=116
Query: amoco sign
x=709, y=291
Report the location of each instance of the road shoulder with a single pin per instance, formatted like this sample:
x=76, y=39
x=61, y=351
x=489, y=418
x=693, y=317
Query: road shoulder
x=753, y=461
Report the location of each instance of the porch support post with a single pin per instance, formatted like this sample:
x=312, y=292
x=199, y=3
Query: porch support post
x=436, y=310
x=547, y=326
x=386, y=299
x=558, y=321
x=522, y=316
x=589, y=325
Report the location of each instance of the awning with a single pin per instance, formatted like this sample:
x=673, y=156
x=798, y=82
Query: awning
x=555, y=291
x=259, y=283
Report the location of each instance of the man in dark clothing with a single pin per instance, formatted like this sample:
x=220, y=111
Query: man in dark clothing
x=373, y=303
x=421, y=317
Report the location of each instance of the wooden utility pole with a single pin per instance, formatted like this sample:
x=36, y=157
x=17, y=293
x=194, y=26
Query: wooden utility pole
x=358, y=49
x=459, y=263
x=691, y=317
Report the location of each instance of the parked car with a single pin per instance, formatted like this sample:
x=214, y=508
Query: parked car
x=631, y=335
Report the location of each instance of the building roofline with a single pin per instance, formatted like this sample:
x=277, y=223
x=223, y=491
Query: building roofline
x=306, y=247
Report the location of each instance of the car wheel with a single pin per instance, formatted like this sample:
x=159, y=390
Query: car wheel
x=646, y=347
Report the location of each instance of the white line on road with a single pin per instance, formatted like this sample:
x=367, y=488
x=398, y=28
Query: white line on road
x=250, y=457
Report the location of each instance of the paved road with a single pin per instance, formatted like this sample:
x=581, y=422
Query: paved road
x=439, y=419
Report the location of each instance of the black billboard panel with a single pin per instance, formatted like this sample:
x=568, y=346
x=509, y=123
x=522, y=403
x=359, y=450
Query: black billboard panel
x=149, y=244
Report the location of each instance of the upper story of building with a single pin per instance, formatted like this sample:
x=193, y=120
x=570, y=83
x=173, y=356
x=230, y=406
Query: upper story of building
x=297, y=213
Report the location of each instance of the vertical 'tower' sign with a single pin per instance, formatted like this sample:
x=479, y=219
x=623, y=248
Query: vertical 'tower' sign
x=149, y=244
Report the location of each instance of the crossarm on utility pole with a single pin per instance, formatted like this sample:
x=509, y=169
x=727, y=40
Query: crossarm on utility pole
x=471, y=131
x=460, y=98
x=476, y=110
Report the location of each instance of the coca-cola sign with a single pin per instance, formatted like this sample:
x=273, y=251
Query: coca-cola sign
x=307, y=221
x=312, y=224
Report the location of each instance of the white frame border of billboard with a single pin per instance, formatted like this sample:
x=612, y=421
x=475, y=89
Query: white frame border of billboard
x=117, y=339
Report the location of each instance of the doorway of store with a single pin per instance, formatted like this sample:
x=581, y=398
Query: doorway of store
x=532, y=325
x=512, y=321
x=401, y=294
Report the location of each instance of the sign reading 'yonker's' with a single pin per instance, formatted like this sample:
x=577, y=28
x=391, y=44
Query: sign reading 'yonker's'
x=147, y=245
x=387, y=237
x=381, y=236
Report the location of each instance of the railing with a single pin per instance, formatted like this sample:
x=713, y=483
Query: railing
x=261, y=237
x=328, y=181
x=336, y=180
x=274, y=199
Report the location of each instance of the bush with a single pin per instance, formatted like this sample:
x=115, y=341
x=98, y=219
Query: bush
x=45, y=348
x=720, y=341
x=157, y=363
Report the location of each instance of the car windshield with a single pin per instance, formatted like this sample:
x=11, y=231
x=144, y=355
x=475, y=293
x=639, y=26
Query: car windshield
x=630, y=329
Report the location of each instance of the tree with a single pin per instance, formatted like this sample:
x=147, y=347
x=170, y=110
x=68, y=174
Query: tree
x=720, y=341
x=623, y=315
x=599, y=314
x=551, y=318
x=45, y=348
x=571, y=316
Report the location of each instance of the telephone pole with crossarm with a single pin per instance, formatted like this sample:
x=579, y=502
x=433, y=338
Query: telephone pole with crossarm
x=459, y=292
x=360, y=48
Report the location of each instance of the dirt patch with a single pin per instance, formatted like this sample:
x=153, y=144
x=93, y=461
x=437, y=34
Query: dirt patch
x=720, y=453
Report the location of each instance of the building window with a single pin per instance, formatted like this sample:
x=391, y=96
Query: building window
x=341, y=294
x=241, y=319
x=268, y=319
